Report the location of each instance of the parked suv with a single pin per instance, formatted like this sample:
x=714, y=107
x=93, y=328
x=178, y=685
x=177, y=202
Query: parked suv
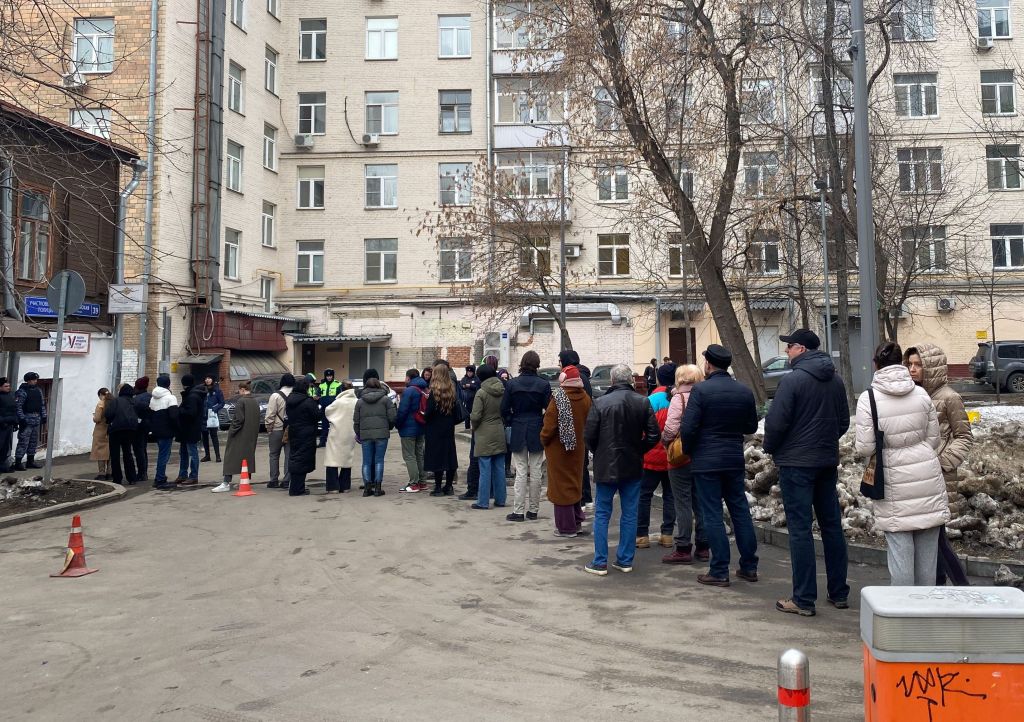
x=262, y=388
x=1011, y=365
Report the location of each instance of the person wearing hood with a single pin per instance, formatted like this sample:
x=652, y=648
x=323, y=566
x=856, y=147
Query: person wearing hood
x=122, y=425
x=243, y=433
x=214, y=403
x=329, y=389
x=802, y=430
x=191, y=422
x=31, y=410
x=410, y=430
x=163, y=423
x=341, y=441
x=927, y=365
x=8, y=423
x=489, y=439
x=915, y=505
x=100, y=451
x=303, y=415
x=565, y=450
x=140, y=445
x=372, y=421
x=275, y=421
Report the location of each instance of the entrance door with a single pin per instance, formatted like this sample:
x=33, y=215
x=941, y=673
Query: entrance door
x=357, y=361
x=308, y=358
x=677, y=348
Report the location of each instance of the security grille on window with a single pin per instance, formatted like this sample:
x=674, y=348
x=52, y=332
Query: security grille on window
x=382, y=186
x=528, y=100
x=924, y=248
x=311, y=186
x=606, y=114
x=238, y=12
x=381, y=38
x=455, y=181
x=914, y=20
x=920, y=169
x=535, y=257
x=994, y=19
x=33, y=252
x=453, y=36
x=232, y=240
x=270, y=69
x=312, y=113
x=1007, y=245
x=456, y=260
x=269, y=146
x=236, y=87
x=613, y=254
x=997, y=92
x=842, y=87
x=757, y=99
x=612, y=183
x=381, y=260
x=759, y=171
x=235, y=156
x=93, y=47
x=676, y=264
x=916, y=95
x=528, y=174
x=310, y=262
x=763, y=253
x=1004, y=168
x=269, y=221
x=382, y=113
x=313, y=39
x=92, y=120
x=267, y=293
x=455, y=110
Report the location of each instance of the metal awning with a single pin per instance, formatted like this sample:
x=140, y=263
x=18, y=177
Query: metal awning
x=201, y=359
x=19, y=336
x=770, y=304
x=272, y=316
x=244, y=365
x=338, y=338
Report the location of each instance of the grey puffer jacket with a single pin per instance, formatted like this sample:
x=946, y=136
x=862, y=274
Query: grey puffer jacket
x=374, y=416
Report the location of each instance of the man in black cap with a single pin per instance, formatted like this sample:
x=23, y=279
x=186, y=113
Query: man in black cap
x=807, y=417
x=720, y=411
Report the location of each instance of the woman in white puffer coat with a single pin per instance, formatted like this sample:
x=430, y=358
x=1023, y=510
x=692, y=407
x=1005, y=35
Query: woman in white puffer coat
x=915, y=504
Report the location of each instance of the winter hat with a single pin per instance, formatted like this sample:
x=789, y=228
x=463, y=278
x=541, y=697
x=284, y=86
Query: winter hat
x=163, y=381
x=718, y=356
x=141, y=384
x=287, y=380
x=471, y=367
x=188, y=381
x=485, y=372
x=570, y=378
x=370, y=374
x=30, y=376
x=667, y=375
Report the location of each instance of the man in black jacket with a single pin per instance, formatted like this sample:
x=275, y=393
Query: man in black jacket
x=620, y=429
x=522, y=408
x=31, y=408
x=191, y=422
x=8, y=423
x=720, y=411
x=807, y=417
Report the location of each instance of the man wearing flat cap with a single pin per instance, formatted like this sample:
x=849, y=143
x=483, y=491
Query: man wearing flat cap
x=719, y=413
x=808, y=416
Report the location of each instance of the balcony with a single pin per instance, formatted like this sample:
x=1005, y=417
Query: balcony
x=519, y=62
x=530, y=135
x=532, y=210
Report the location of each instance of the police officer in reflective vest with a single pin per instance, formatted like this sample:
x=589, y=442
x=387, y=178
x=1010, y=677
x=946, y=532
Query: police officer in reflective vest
x=329, y=389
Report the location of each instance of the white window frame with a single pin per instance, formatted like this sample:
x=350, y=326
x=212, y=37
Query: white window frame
x=1007, y=164
x=270, y=60
x=307, y=251
x=757, y=258
x=920, y=168
x=925, y=245
x=914, y=21
x=531, y=167
x=608, y=256
x=520, y=101
x=456, y=254
x=269, y=147
x=95, y=121
x=267, y=284
x=914, y=89
x=765, y=169
x=90, y=41
x=308, y=125
x=317, y=40
x=384, y=253
x=235, y=166
x=378, y=179
x=232, y=249
x=455, y=33
x=762, y=92
x=606, y=113
x=676, y=257
x=1008, y=241
x=457, y=111
x=386, y=103
x=268, y=225
x=456, y=181
x=842, y=88
x=238, y=13
x=273, y=8
x=382, y=39
x=236, y=88
x=687, y=177
x=998, y=90
x=308, y=180
x=612, y=183
x=992, y=12
x=509, y=37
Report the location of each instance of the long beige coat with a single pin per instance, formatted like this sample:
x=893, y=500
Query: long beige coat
x=100, y=441
x=341, y=440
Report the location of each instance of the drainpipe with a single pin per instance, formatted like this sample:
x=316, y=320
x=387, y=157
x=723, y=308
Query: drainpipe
x=7, y=246
x=138, y=167
x=147, y=267
x=216, y=146
x=489, y=79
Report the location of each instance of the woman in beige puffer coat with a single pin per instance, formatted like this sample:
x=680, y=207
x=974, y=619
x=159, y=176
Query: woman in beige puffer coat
x=915, y=504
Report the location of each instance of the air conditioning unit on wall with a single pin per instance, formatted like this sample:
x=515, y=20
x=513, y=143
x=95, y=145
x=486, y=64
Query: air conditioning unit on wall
x=945, y=305
x=371, y=139
x=303, y=141
x=496, y=343
x=74, y=80
x=573, y=250
x=985, y=44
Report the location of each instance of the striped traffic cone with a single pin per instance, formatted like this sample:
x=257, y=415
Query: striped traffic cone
x=244, y=487
x=74, y=560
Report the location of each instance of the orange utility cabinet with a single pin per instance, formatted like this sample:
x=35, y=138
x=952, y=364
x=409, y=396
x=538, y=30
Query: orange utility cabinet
x=943, y=654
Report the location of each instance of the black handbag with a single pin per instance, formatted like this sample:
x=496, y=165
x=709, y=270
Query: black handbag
x=872, y=485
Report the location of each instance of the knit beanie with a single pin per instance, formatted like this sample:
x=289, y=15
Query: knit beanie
x=141, y=384
x=188, y=381
x=570, y=378
x=163, y=381
x=370, y=374
x=287, y=380
x=667, y=375
x=486, y=371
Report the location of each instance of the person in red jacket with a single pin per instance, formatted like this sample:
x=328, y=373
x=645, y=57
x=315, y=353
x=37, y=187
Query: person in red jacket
x=656, y=468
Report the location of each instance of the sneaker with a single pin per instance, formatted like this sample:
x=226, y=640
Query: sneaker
x=410, y=489
x=678, y=556
x=589, y=507
x=223, y=486
x=422, y=486
x=580, y=531
x=788, y=606
x=711, y=581
x=601, y=571
x=839, y=603
x=746, y=576
x=515, y=517
x=531, y=515
x=666, y=541
x=643, y=542
x=622, y=567
x=162, y=486
x=563, y=534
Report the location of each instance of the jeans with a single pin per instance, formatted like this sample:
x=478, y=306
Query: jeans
x=629, y=500
x=163, y=455
x=688, y=516
x=712, y=489
x=189, y=455
x=121, y=446
x=913, y=556
x=804, y=489
x=529, y=469
x=492, y=480
x=949, y=564
x=413, y=448
x=140, y=448
x=373, y=460
x=651, y=481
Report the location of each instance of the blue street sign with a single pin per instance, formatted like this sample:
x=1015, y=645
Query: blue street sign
x=38, y=306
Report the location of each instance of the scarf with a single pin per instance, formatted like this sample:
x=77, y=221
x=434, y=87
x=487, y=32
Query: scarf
x=566, y=428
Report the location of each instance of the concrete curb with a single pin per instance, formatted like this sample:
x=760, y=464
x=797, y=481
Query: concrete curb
x=861, y=554
x=115, y=493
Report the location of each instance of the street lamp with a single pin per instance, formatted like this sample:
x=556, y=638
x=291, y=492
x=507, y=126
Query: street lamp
x=822, y=185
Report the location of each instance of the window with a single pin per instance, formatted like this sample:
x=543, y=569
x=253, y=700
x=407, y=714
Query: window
x=236, y=87
x=456, y=260
x=311, y=186
x=842, y=87
x=313, y=39
x=842, y=26
x=527, y=100
x=382, y=186
x=757, y=99
x=606, y=114
x=763, y=253
x=455, y=183
x=924, y=248
x=997, y=92
x=512, y=29
x=1003, y=163
x=612, y=183
x=687, y=177
x=272, y=8
x=312, y=113
x=235, y=155
x=33, y=256
x=310, y=262
x=381, y=260
x=916, y=95
x=1007, y=245
x=267, y=293
x=270, y=69
x=267, y=228
x=453, y=36
x=920, y=169
x=914, y=20
x=232, y=240
x=238, y=13
x=676, y=266
x=381, y=38
x=994, y=19
x=269, y=147
x=759, y=171
x=613, y=254
x=92, y=120
x=535, y=257
x=455, y=110
x=382, y=113
x=529, y=174
x=93, y=47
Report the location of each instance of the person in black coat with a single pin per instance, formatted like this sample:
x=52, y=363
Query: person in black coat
x=122, y=425
x=522, y=407
x=140, y=445
x=469, y=384
x=8, y=423
x=444, y=412
x=191, y=421
x=720, y=411
x=303, y=413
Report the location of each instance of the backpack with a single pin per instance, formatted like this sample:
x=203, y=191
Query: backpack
x=420, y=414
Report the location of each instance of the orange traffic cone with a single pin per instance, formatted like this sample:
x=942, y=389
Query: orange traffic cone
x=244, y=487
x=74, y=561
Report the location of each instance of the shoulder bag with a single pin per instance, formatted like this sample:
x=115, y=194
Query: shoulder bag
x=872, y=485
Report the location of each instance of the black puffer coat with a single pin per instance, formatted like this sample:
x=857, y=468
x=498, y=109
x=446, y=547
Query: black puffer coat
x=120, y=412
x=303, y=414
x=192, y=415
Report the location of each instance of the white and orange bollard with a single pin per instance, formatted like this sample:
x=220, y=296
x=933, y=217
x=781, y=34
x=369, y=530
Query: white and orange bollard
x=244, y=487
x=794, y=687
